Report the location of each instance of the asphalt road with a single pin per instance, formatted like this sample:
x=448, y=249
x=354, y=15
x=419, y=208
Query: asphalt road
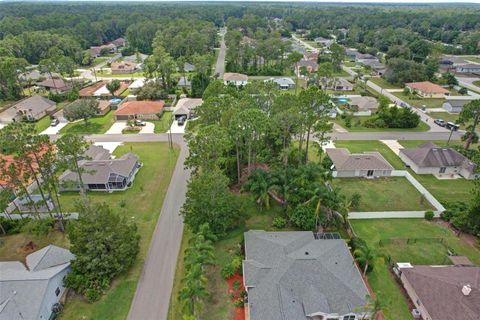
x=220, y=66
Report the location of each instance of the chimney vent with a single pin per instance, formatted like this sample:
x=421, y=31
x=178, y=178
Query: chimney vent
x=466, y=290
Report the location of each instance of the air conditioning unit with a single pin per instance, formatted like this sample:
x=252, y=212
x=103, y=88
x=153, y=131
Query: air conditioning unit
x=416, y=314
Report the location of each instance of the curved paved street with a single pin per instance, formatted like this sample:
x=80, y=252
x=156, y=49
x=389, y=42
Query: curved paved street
x=220, y=65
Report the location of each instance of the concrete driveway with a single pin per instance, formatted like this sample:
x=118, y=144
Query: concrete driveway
x=393, y=145
x=175, y=128
x=117, y=127
x=148, y=128
x=54, y=130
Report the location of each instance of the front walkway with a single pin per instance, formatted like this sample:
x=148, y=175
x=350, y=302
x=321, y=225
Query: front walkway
x=393, y=145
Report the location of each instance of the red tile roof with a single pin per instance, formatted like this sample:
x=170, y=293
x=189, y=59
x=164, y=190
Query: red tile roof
x=131, y=108
x=427, y=87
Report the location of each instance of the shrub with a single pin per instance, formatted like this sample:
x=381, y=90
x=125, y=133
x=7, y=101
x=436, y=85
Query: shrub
x=356, y=243
x=236, y=285
x=13, y=226
x=236, y=263
x=122, y=203
x=38, y=227
x=429, y=215
x=348, y=122
x=228, y=271
x=239, y=303
x=279, y=222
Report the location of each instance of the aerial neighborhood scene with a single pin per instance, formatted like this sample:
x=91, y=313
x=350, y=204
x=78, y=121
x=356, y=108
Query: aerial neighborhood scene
x=191, y=160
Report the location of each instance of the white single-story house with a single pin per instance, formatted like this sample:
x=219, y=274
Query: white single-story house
x=426, y=89
x=368, y=164
x=236, y=79
x=283, y=83
x=33, y=290
x=186, y=107
x=428, y=158
x=456, y=103
x=468, y=68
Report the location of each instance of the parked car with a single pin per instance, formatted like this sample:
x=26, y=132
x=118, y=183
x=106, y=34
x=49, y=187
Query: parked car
x=181, y=121
x=140, y=123
x=54, y=122
x=440, y=122
x=404, y=105
x=452, y=126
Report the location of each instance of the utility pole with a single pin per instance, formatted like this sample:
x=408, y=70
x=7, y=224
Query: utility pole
x=450, y=136
x=170, y=140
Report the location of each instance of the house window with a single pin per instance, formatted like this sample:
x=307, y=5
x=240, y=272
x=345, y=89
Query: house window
x=350, y=317
x=57, y=291
x=443, y=169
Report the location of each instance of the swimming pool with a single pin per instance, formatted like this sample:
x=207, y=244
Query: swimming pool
x=342, y=100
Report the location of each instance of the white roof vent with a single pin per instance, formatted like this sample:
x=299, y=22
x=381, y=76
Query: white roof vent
x=466, y=290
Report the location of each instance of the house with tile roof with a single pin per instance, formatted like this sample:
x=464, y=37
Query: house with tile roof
x=368, y=164
x=236, y=79
x=294, y=276
x=442, y=292
x=33, y=290
x=145, y=110
x=428, y=158
x=426, y=89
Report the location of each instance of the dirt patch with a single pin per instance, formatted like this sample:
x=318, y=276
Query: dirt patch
x=239, y=313
x=28, y=247
x=468, y=238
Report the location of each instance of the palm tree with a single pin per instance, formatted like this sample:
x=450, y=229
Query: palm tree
x=259, y=184
x=365, y=256
x=194, y=289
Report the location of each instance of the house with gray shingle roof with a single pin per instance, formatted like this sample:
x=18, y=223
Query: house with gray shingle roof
x=293, y=276
x=33, y=290
x=368, y=164
x=428, y=158
x=283, y=83
x=31, y=109
x=102, y=174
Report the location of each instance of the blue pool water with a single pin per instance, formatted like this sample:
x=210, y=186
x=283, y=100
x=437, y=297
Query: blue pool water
x=342, y=100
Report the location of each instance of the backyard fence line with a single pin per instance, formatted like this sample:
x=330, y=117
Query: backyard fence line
x=16, y=216
x=386, y=214
x=383, y=242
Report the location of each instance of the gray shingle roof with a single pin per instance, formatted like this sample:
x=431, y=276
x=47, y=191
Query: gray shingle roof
x=439, y=289
x=429, y=155
x=290, y=275
x=98, y=172
x=96, y=153
x=343, y=160
x=22, y=290
x=364, y=103
x=34, y=106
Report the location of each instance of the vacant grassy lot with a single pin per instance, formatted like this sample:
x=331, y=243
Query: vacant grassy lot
x=163, y=124
x=42, y=124
x=380, y=278
x=473, y=58
x=141, y=203
x=360, y=146
x=97, y=125
x=357, y=126
x=383, y=194
x=384, y=83
x=108, y=74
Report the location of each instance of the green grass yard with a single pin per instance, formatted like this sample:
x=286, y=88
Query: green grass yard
x=143, y=202
x=356, y=126
x=360, y=146
x=473, y=58
x=108, y=74
x=163, y=124
x=431, y=253
x=97, y=125
x=383, y=83
x=420, y=102
x=42, y=124
x=383, y=194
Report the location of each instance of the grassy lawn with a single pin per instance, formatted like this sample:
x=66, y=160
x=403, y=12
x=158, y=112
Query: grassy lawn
x=126, y=93
x=420, y=102
x=108, y=73
x=99, y=60
x=163, y=124
x=449, y=117
x=341, y=73
x=383, y=83
x=97, y=125
x=476, y=83
x=356, y=126
x=385, y=194
x=143, y=202
x=420, y=253
x=11, y=247
x=473, y=58
x=360, y=146
x=42, y=124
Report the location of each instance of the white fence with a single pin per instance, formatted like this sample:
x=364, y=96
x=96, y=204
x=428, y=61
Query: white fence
x=403, y=214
